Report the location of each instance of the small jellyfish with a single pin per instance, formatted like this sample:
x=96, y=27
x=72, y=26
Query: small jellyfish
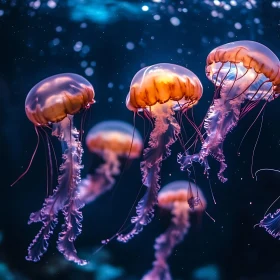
x=271, y=222
x=54, y=101
x=111, y=140
x=244, y=73
x=174, y=197
x=158, y=91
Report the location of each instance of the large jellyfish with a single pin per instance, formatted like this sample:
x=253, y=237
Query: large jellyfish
x=111, y=140
x=54, y=101
x=175, y=198
x=244, y=73
x=158, y=91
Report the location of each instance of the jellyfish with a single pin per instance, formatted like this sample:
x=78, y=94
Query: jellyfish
x=54, y=101
x=111, y=140
x=158, y=91
x=175, y=198
x=244, y=73
x=271, y=222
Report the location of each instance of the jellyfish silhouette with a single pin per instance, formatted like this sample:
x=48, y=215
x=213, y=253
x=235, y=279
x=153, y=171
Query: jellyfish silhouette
x=54, y=101
x=111, y=140
x=244, y=73
x=175, y=198
x=158, y=91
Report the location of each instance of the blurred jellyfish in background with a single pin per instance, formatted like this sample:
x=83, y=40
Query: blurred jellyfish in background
x=158, y=91
x=244, y=73
x=111, y=140
x=208, y=272
x=173, y=197
x=54, y=101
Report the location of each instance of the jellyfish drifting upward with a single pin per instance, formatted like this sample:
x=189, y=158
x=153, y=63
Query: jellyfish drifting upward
x=175, y=198
x=54, y=101
x=158, y=91
x=244, y=73
x=111, y=140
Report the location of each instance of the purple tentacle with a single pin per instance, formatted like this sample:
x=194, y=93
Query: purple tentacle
x=102, y=181
x=64, y=196
x=166, y=242
x=164, y=134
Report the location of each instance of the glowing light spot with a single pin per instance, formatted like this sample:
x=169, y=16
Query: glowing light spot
x=83, y=25
x=58, y=29
x=156, y=17
x=110, y=99
x=110, y=85
x=248, y=5
x=1, y=13
x=36, y=4
x=175, y=21
x=145, y=8
x=56, y=41
x=179, y=50
x=51, y=4
x=85, y=49
x=89, y=71
x=237, y=25
x=93, y=63
x=185, y=10
x=217, y=2
x=227, y=7
x=214, y=13
x=157, y=1
x=233, y=3
x=84, y=64
x=78, y=46
x=257, y=20
x=230, y=34
x=130, y=46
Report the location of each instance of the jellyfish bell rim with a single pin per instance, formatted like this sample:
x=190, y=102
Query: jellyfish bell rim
x=239, y=52
x=86, y=87
x=177, y=104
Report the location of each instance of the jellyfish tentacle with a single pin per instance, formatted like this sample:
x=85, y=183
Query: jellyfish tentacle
x=165, y=243
x=164, y=134
x=102, y=180
x=222, y=117
x=64, y=193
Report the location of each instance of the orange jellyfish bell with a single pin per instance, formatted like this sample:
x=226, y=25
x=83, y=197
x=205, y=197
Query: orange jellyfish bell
x=252, y=55
x=52, y=99
x=159, y=90
x=164, y=83
x=244, y=74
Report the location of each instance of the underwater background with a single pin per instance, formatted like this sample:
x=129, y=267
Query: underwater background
x=107, y=42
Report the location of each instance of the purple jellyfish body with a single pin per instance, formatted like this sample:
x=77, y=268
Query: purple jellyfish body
x=158, y=91
x=175, y=198
x=111, y=140
x=271, y=222
x=54, y=101
x=244, y=73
